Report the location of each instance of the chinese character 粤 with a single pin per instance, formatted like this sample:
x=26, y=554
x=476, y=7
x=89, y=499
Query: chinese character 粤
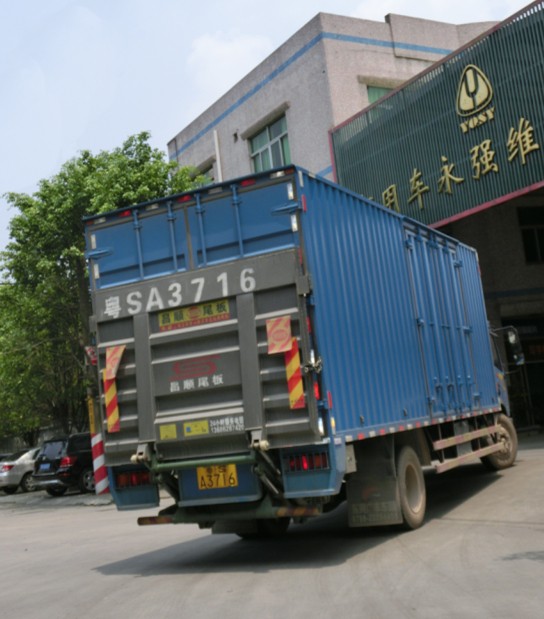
x=113, y=307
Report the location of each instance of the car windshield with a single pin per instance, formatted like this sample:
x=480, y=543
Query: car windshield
x=53, y=449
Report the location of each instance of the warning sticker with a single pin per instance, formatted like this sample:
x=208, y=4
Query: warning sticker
x=278, y=334
x=113, y=359
x=168, y=432
x=196, y=428
x=195, y=315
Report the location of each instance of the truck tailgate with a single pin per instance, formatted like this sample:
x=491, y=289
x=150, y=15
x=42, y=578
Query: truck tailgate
x=207, y=358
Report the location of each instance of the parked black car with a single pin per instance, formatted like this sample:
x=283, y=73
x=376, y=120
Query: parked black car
x=63, y=463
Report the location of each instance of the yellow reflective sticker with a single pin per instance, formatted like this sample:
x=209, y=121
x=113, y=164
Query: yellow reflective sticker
x=168, y=432
x=204, y=313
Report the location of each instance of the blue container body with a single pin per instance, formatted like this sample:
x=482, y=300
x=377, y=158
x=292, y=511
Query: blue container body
x=399, y=315
x=397, y=309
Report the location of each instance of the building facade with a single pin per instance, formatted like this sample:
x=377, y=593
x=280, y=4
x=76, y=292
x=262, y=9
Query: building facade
x=326, y=72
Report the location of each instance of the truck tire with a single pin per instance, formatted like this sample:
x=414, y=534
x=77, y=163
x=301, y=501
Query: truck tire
x=504, y=458
x=412, y=492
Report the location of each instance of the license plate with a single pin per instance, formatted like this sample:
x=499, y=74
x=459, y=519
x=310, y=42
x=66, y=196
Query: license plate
x=45, y=466
x=217, y=476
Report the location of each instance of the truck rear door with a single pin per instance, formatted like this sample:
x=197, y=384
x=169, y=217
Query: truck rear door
x=206, y=324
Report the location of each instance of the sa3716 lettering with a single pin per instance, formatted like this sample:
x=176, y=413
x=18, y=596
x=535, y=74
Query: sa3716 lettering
x=176, y=294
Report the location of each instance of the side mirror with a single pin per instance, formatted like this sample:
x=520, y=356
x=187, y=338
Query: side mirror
x=513, y=345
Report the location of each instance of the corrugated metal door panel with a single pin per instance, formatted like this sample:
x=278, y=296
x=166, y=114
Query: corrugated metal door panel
x=445, y=334
x=365, y=327
x=371, y=293
x=474, y=305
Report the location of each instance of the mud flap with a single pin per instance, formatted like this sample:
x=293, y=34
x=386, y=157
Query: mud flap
x=372, y=491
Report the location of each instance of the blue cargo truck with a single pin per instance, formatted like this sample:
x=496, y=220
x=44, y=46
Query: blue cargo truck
x=275, y=345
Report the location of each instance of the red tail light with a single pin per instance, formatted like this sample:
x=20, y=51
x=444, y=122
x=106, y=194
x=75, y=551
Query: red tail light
x=308, y=462
x=133, y=479
x=7, y=467
x=67, y=461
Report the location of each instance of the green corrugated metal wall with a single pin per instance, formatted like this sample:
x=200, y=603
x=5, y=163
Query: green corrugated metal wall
x=413, y=151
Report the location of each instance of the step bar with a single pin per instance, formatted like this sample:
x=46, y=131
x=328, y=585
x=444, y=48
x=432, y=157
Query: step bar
x=460, y=439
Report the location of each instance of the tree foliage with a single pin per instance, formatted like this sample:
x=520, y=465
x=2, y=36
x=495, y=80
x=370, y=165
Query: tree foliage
x=44, y=299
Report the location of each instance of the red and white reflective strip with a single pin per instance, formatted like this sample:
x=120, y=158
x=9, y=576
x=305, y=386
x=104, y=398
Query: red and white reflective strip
x=403, y=427
x=99, y=467
x=295, y=385
x=113, y=359
x=112, y=404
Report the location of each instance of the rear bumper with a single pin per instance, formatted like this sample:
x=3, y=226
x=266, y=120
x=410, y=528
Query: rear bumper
x=7, y=480
x=42, y=482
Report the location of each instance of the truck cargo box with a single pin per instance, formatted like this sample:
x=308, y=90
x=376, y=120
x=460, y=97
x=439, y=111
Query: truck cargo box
x=271, y=312
x=387, y=315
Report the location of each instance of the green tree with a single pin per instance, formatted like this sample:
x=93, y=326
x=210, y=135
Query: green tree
x=44, y=300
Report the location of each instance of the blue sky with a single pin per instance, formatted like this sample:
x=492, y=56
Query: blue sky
x=86, y=74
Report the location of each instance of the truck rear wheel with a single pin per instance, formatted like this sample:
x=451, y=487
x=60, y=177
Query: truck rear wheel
x=412, y=492
x=504, y=458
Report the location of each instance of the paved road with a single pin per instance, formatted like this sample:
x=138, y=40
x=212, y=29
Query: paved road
x=479, y=555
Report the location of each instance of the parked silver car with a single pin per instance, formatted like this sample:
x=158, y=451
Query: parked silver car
x=16, y=471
